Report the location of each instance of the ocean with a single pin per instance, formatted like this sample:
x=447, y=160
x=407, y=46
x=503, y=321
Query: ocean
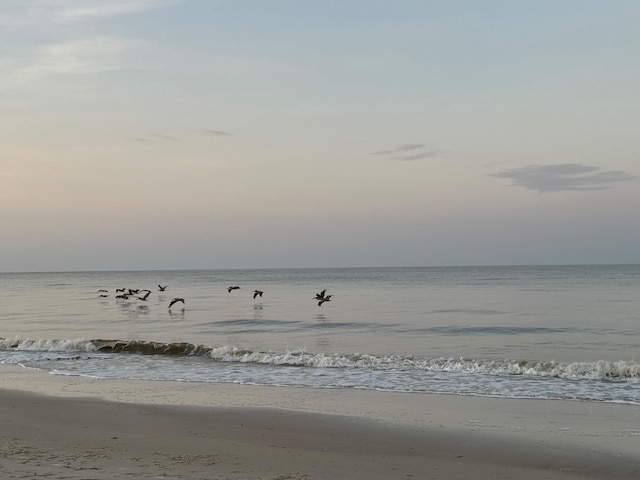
x=521, y=332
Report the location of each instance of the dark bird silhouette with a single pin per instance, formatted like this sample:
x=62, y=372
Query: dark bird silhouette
x=235, y=287
x=102, y=295
x=176, y=300
x=102, y=290
x=161, y=288
x=257, y=293
x=325, y=299
x=320, y=296
x=145, y=296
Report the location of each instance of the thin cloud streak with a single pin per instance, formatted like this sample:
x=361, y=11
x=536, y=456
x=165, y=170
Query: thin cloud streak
x=563, y=177
x=163, y=137
x=419, y=156
x=401, y=148
x=217, y=133
x=399, y=152
x=86, y=56
x=80, y=11
x=41, y=14
x=167, y=138
x=156, y=137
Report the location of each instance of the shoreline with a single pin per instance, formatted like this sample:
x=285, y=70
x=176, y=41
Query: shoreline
x=64, y=426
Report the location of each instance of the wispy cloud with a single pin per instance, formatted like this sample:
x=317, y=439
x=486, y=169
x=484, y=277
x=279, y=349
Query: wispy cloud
x=21, y=14
x=563, y=177
x=156, y=137
x=163, y=137
x=402, y=148
x=217, y=133
x=76, y=11
x=400, y=152
x=89, y=55
x=166, y=138
x=418, y=156
x=71, y=49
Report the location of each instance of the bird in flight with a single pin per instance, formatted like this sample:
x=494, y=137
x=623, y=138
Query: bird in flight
x=257, y=293
x=234, y=287
x=161, y=288
x=176, y=300
x=326, y=298
x=145, y=296
x=320, y=296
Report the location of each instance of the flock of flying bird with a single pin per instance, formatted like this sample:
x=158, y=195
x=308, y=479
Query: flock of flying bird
x=143, y=294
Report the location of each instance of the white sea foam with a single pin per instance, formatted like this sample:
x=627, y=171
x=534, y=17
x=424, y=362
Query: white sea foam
x=47, y=345
x=598, y=381
x=600, y=370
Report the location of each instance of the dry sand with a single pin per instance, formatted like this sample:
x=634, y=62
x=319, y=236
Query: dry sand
x=59, y=427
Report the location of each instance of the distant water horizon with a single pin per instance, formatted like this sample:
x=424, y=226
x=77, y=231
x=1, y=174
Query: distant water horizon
x=185, y=269
x=529, y=331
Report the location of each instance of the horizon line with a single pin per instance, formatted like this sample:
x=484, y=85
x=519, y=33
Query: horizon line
x=321, y=268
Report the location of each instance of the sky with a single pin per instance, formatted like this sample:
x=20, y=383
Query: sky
x=180, y=134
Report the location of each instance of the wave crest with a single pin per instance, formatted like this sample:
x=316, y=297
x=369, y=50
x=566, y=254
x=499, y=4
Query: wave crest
x=44, y=345
x=144, y=347
x=601, y=370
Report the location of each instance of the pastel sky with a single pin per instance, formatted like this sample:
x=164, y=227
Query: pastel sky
x=171, y=134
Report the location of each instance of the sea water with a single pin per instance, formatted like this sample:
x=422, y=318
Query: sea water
x=549, y=332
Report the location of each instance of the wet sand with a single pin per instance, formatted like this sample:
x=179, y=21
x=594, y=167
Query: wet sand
x=78, y=428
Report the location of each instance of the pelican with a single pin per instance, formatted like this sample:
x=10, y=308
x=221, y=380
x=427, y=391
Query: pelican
x=102, y=290
x=320, y=296
x=326, y=298
x=257, y=293
x=145, y=296
x=176, y=300
x=235, y=287
x=161, y=288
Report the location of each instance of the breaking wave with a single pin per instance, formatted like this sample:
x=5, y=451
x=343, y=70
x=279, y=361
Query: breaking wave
x=609, y=371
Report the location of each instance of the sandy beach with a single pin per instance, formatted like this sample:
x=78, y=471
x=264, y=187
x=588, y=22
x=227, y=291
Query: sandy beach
x=81, y=428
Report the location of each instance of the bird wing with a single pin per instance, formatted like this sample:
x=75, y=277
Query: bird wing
x=176, y=300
